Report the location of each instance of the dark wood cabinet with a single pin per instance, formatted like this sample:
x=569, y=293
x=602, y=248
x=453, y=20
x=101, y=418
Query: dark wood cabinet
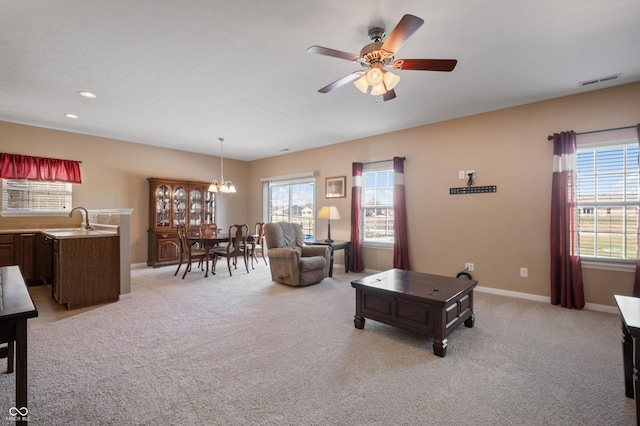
x=25, y=255
x=86, y=271
x=18, y=249
x=173, y=203
x=7, y=249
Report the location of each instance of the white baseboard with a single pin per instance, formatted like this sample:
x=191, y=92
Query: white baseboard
x=545, y=299
x=508, y=293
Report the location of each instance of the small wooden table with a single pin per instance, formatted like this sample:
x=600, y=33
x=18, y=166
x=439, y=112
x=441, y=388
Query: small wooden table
x=630, y=310
x=16, y=307
x=335, y=245
x=430, y=305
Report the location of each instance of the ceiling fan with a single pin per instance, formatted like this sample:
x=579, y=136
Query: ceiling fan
x=377, y=55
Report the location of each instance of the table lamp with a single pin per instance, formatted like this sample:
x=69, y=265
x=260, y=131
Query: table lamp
x=329, y=212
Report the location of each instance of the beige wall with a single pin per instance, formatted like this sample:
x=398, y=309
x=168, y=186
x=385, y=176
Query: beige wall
x=498, y=232
x=114, y=176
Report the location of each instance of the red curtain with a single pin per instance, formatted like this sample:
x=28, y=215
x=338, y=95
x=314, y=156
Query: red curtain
x=636, y=285
x=400, y=236
x=355, y=261
x=13, y=166
x=567, y=288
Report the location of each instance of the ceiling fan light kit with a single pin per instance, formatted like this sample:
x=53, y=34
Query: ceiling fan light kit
x=378, y=54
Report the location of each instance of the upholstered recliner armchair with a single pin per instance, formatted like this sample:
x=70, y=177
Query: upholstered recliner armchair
x=291, y=261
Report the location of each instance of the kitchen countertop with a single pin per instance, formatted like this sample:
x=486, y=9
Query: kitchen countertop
x=64, y=233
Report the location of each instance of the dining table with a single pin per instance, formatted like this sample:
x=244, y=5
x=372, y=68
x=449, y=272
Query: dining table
x=209, y=242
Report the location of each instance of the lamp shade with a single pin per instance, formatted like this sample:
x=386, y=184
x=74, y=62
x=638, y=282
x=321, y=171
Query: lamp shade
x=378, y=90
x=329, y=212
x=374, y=75
x=362, y=84
x=390, y=80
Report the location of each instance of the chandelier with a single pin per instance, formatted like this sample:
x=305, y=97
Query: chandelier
x=222, y=185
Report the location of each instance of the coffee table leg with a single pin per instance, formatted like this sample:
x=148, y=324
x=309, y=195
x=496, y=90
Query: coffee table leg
x=440, y=347
x=358, y=321
x=470, y=321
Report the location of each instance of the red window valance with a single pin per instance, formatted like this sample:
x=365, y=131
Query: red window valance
x=13, y=166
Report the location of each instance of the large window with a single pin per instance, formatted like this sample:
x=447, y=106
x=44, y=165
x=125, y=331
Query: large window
x=293, y=201
x=607, y=200
x=377, y=204
x=25, y=197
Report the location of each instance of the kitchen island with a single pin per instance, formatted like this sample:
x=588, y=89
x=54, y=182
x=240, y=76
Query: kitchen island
x=86, y=267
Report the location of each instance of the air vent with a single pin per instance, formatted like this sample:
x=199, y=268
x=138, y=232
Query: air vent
x=599, y=80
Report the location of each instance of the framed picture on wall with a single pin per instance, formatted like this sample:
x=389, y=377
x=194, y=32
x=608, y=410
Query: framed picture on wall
x=335, y=187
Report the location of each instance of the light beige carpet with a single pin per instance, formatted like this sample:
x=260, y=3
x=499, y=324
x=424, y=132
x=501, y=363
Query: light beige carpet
x=243, y=350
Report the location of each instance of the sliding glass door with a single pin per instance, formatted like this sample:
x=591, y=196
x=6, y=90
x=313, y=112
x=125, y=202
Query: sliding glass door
x=293, y=201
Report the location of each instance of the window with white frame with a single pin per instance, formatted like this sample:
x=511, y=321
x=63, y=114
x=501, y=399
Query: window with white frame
x=607, y=200
x=292, y=200
x=28, y=197
x=377, y=204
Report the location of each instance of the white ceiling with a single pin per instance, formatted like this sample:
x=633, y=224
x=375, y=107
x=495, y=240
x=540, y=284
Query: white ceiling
x=182, y=74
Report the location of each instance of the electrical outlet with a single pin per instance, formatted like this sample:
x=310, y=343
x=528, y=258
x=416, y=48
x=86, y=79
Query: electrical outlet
x=461, y=175
x=524, y=272
x=469, y=267
x=470, y=172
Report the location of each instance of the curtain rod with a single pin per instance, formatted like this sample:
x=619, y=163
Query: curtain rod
x=382, y=161
x=550, y=137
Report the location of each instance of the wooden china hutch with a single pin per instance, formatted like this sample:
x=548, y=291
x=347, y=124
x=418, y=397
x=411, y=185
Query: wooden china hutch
x=172, y=203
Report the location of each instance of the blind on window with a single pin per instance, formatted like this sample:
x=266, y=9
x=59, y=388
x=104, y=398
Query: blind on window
x=33, y=196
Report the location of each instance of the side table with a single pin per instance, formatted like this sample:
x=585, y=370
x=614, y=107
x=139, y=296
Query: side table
x=335, y=245
x=630, y=312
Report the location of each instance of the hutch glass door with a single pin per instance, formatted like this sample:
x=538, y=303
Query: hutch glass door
x=163, y=207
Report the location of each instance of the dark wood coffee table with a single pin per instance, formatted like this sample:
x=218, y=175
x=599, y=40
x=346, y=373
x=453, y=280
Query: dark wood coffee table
x=430, y=305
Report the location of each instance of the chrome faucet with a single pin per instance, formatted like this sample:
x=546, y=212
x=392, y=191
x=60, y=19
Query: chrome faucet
x=87, y=227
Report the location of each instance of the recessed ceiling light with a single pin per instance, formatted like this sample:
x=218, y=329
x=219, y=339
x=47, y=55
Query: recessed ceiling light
x=71, y=116
x=87, y=94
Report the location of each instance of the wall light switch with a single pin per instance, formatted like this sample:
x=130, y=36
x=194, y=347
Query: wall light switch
x=461, y=175
x=524, y=272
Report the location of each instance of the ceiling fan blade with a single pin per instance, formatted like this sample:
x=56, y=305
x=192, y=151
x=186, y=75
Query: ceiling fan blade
x=425, y=64
x=388, y=95
x=342, y=81
x=408, y=25
x=332, y=52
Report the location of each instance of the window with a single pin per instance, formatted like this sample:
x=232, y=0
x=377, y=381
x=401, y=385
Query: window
x=377, y=204
x=25, y=197
x=293, y=201
x=607, y=198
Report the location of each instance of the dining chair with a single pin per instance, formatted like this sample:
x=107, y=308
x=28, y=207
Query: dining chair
x=212, y=226
x=187, y=251
x=203, y=233
x=236, y=247
x=258, y=244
